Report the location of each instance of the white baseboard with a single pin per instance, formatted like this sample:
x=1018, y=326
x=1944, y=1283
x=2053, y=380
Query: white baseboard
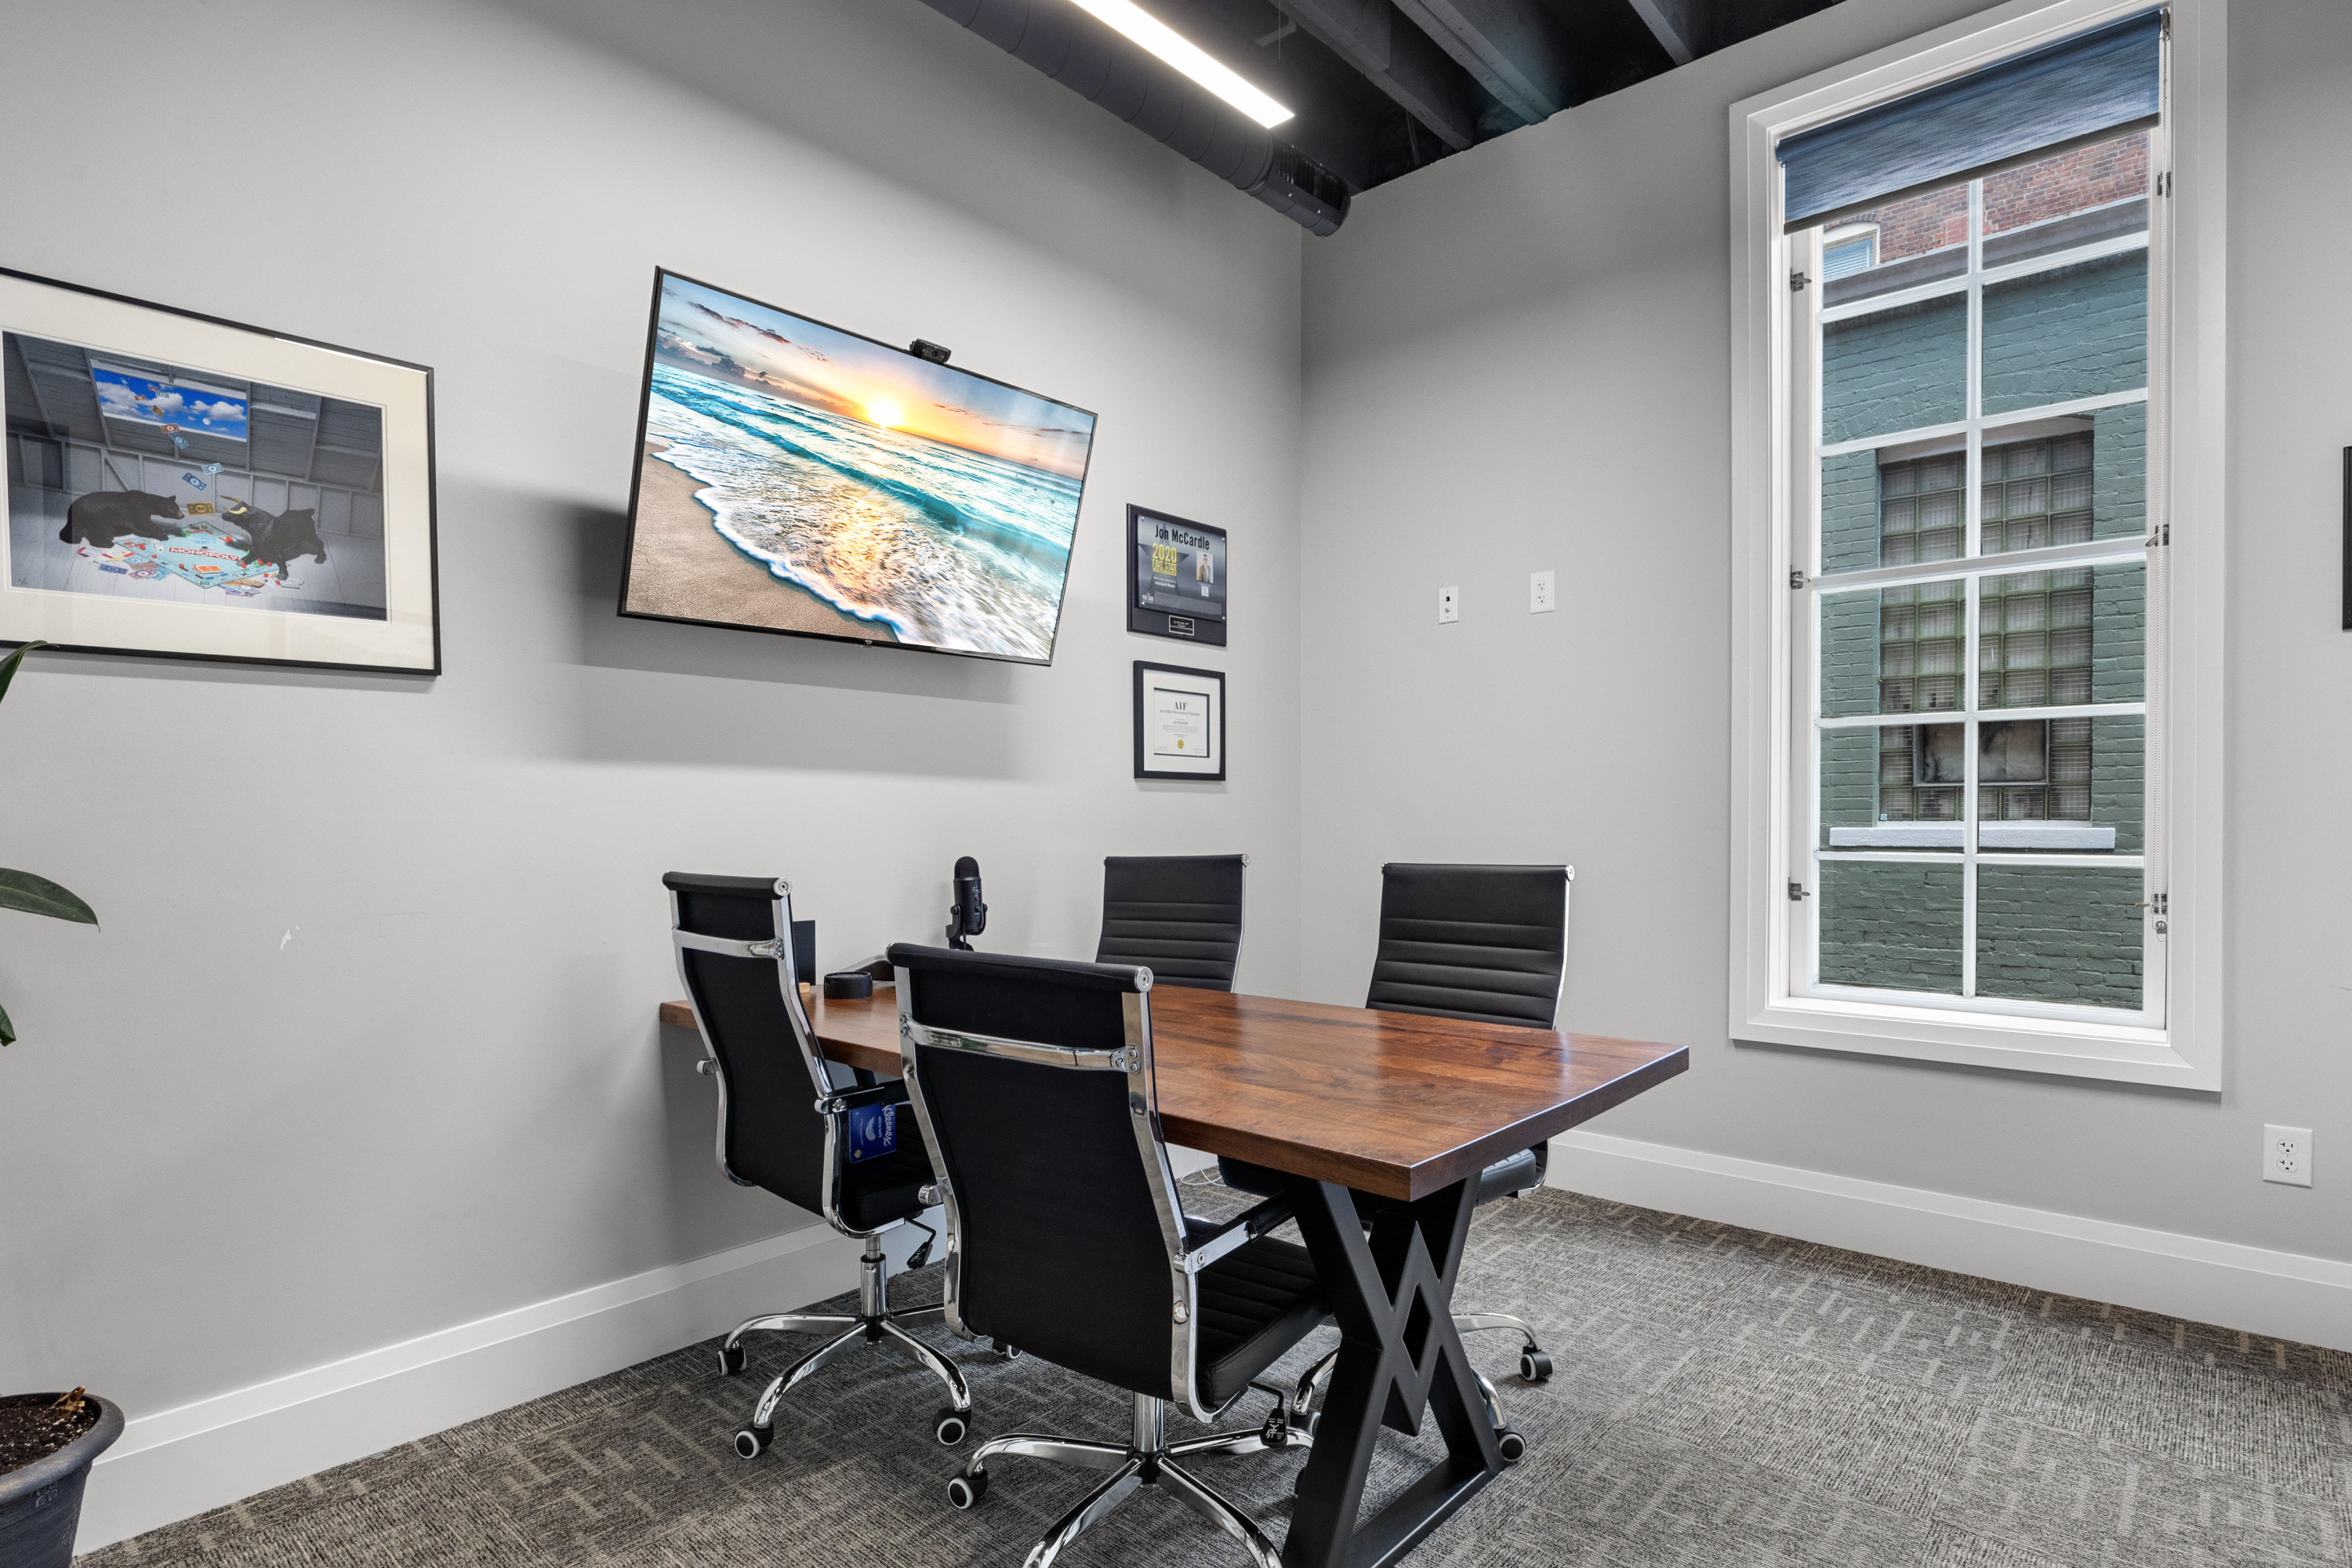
x=2279, y=1295
x=177, y=1463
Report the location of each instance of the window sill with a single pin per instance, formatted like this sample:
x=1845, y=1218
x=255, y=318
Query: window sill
x=2118, y=1053
x=2079, y=837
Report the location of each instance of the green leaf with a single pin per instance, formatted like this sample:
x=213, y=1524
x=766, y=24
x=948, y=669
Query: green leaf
x=8, y=666
x=39, y=896
x=8, y=1029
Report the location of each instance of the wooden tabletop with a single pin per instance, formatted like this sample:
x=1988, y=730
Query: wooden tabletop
x=1391, y=1103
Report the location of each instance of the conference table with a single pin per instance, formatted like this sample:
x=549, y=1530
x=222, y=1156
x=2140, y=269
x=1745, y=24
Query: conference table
x=1380, y=1123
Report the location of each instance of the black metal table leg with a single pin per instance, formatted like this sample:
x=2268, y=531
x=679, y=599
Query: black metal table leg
x=1392, y=1292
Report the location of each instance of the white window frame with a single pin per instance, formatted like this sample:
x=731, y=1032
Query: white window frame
x=2187, y=583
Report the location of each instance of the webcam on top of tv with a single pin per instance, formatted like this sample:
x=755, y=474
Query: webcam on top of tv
x=923, y=348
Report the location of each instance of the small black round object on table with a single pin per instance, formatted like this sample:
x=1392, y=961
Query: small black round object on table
x=848, y=984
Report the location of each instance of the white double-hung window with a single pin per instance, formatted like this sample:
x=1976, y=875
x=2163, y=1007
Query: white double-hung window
x=1977, y=456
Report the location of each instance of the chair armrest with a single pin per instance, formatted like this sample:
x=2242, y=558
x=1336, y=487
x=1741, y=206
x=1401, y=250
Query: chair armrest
x=893, y=1093
x=1238, y=1232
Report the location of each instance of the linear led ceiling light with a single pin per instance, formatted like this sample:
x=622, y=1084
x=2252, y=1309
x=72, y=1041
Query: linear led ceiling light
x=1188, y=57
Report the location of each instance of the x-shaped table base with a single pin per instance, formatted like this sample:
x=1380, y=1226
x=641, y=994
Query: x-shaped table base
x=1392, y=1292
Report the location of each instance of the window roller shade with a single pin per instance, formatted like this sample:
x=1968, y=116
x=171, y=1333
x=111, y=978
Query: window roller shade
x=2100, y=82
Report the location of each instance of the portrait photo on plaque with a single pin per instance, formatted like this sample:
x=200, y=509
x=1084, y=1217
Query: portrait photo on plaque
x=1180, y=723
x=1175, y=577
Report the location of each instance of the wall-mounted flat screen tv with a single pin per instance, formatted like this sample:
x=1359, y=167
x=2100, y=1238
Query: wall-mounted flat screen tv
x=795, y=477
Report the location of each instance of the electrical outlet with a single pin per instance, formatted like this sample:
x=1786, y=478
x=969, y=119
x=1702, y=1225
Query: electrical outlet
x=1540, y=600
x=2286, y=1155
x=1449, y=604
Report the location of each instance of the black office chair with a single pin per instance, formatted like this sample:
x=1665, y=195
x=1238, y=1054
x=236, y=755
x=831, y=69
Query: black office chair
x=1033, y=1079
x=1483, y=943
x=785, y=1125
x=1178, y=916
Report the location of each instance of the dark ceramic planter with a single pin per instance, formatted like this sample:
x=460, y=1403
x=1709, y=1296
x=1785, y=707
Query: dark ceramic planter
x=41, y=1504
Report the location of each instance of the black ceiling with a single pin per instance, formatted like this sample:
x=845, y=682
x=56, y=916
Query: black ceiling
x=1382, y=87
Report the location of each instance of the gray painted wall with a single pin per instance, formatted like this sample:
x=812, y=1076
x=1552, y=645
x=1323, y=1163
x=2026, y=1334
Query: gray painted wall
x=1518, y=360
x=372, y=1056
x=365, y=1048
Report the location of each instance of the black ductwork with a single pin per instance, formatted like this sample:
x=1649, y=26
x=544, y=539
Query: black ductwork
x=1104, y=69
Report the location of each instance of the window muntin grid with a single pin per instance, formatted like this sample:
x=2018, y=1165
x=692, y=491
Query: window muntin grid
x=2018, y=479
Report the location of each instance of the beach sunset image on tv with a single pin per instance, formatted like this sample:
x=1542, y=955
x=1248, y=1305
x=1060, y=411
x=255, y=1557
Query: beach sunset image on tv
x=797, y=478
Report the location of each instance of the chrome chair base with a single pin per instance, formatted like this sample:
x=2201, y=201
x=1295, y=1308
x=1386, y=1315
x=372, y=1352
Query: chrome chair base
x=1535, y=1366
x=1300, y=1406
x=1148, y=1459
x=874, y=1323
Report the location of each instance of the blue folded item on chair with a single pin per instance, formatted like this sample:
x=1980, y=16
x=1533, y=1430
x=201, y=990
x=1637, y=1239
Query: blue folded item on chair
x=873, y=1131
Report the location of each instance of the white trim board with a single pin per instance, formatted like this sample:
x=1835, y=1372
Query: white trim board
x=178, y=1463
x=2278, y=1295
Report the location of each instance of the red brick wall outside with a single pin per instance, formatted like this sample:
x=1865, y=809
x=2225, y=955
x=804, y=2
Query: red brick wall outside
x=1922, y=224
x=2086, y=177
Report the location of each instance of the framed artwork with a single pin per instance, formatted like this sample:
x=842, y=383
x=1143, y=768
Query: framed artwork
x=1180, y=723
x=189, y=487
x=1175, y=577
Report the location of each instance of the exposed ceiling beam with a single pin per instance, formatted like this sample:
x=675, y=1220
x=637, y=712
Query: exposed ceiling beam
x=1678, y=25
x=1401, y=61
x=1513, y=47
x=1330, y=127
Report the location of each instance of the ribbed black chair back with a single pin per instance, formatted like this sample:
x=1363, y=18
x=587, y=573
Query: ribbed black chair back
x=1063, y=1246
x=771, y=1135
x=1471, y=941
x=1178, y=916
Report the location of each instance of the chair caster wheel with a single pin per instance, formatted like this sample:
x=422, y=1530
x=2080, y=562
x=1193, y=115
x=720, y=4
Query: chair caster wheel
x=1275, y=1433
x=965, y=1491
x=732, y=1360
x=1003, y=1351
x=951, y=1425
x=1534, y=1365
x=752, y=1441
x=1513, y=1446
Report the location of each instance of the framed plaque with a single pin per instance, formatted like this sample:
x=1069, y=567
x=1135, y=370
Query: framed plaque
x=1175, y=577
x=1180, y=723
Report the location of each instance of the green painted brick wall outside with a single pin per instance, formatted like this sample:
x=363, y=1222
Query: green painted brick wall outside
x=1897, y=370
x=2097, y=309
x=2059, y=934
x=1849, y=512
x=2054, y=933
x=1896, y=924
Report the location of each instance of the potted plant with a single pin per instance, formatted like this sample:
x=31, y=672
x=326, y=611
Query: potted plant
x=46, y=1440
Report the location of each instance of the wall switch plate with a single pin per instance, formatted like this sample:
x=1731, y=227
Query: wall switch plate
x=1540, y=600
x=1449, y=604
x=2286, y=1155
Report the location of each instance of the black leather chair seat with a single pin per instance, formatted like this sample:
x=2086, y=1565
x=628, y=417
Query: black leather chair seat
x=888, y=1186
x=1255, y=1303
x=1517, y=1175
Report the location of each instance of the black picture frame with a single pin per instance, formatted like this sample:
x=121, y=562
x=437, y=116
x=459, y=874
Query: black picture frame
x=662, y=275
x=1213, y=680
x=406, y=439
x=1159, y=623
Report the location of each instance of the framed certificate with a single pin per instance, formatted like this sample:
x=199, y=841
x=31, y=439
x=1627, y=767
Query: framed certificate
x=1180, y=723
x=1175, y=577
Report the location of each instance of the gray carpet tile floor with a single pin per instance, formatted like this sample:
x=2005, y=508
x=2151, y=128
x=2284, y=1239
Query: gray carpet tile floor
x=1722, y=1397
